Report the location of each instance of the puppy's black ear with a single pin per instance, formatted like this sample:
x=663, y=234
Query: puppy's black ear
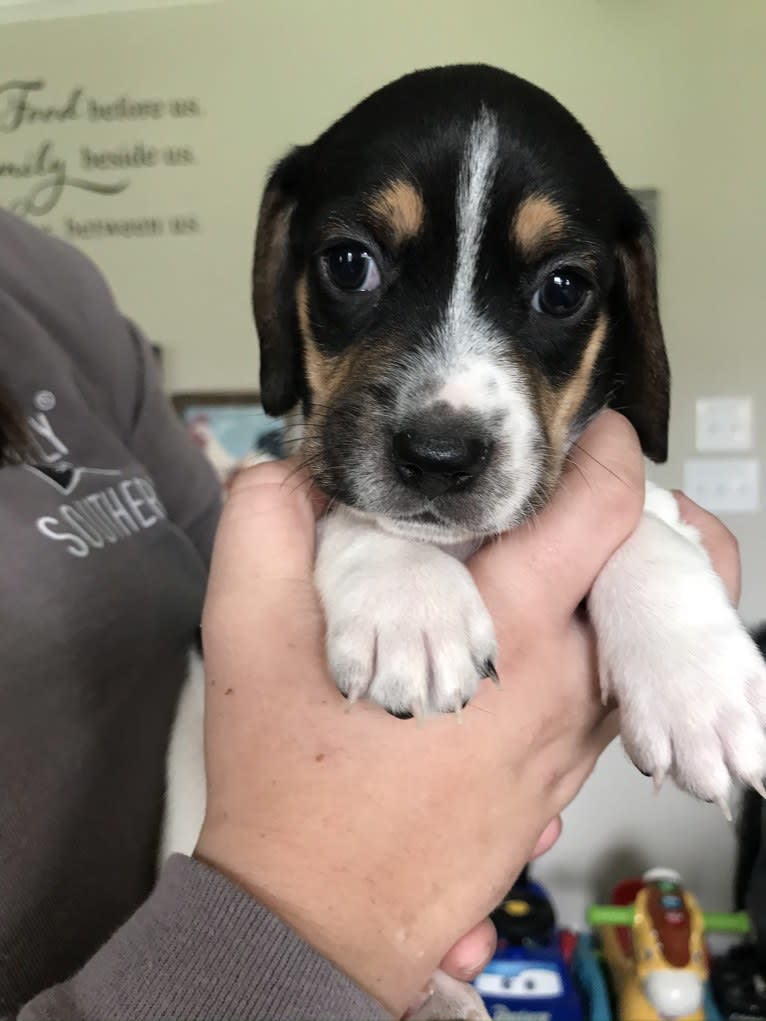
x=642, y=391
x=282, y=376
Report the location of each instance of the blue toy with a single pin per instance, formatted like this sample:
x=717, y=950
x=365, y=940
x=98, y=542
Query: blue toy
x=529, y=976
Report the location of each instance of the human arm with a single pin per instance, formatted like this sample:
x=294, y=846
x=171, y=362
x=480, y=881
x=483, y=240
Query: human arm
x=397, y=816
x=417, y=889
x=361, y=832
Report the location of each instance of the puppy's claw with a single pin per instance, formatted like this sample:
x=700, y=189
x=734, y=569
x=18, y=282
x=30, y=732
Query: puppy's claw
x=723, y=804
x=400, y=714
x=757, y=786
x=489, y=670
x=356, y=689
x=658, y=779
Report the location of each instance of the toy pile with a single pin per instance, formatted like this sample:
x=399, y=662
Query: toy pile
x=645, y=958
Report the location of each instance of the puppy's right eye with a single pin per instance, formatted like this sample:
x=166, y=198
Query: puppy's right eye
x=351, y=267
x=562, y=293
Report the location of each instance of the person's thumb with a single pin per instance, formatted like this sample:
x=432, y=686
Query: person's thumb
x=263, y=558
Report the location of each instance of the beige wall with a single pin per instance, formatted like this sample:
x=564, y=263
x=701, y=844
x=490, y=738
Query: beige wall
x=673, y=90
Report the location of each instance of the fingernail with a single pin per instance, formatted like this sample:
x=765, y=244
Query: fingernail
x=469, y=974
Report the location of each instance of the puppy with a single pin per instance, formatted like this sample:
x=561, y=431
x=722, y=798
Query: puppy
x=449, y=283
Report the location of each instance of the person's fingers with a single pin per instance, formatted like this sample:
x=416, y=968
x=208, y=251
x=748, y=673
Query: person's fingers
x=469, y=956
x=547, y=838
x=263, y=559
x=602, y=735
x=563, y=548
x=260, y=595
x=720, y=543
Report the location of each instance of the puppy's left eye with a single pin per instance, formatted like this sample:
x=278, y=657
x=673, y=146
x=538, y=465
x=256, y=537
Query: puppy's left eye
x=562, y=293
x=351, y=267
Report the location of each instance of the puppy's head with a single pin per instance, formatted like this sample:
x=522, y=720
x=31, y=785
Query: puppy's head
x=452, y=282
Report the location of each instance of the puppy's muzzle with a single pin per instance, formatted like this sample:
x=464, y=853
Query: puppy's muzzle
x=437, y=459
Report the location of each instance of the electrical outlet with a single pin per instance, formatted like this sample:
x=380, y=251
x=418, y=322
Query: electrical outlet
x=731, y=486
x=724, y=424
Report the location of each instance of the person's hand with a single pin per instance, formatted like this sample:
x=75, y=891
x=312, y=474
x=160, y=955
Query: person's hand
x=720, y=543
x=379, y=841
x=472, y=952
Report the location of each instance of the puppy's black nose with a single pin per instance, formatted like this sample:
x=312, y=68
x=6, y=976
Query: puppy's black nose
x=438, y=462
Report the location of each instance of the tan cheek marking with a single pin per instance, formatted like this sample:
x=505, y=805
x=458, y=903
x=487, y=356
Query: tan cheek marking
x=564, y=404
x=538, y=221
x=313, y=360
x=400, y=207
x=326, y=376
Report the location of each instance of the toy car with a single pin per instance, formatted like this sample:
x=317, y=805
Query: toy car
x=529, y=979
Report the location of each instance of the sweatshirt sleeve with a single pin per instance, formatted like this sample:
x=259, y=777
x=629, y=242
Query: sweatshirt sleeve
x=200, y=947
x=57, y=285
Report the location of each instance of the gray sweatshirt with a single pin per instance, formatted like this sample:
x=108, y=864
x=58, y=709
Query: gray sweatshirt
x=106, y=537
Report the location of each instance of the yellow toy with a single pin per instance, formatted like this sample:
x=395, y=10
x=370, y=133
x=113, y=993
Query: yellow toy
x=652, y=939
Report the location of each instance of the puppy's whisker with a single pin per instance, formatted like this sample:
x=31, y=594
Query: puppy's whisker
x=606, y=467
x=579, y=468
x=295, y=474
x=479, y=709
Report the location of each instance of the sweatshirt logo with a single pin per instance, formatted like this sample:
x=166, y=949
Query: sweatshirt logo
x=97, y=519
x=65, y=477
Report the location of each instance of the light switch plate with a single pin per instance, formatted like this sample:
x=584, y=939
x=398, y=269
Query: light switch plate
x=724, y=486
x=724, y=424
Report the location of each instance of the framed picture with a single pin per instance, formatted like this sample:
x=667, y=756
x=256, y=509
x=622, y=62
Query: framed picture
x=230, y=427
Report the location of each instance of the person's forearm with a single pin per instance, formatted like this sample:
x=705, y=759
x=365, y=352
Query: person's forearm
x=202, y=948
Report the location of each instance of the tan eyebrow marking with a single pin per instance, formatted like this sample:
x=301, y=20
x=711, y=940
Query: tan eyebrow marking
x=399, y=206
x=315, y=364
x=538, y=221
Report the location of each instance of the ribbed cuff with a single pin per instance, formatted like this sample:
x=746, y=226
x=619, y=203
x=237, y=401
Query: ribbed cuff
x=200, y=947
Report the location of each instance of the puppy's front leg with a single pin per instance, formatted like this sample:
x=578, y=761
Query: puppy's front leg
x=689, y=680
x=406, y=626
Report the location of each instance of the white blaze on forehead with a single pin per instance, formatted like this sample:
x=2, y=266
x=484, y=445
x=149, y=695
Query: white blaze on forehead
x=469, y=367
x=477, y=175
x=478, y=383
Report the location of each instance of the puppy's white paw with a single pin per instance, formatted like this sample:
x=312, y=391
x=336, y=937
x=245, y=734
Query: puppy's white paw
x=689, y=680
x=406, y=626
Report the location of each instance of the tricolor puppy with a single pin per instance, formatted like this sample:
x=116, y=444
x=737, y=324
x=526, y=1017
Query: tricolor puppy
x=449, y=284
